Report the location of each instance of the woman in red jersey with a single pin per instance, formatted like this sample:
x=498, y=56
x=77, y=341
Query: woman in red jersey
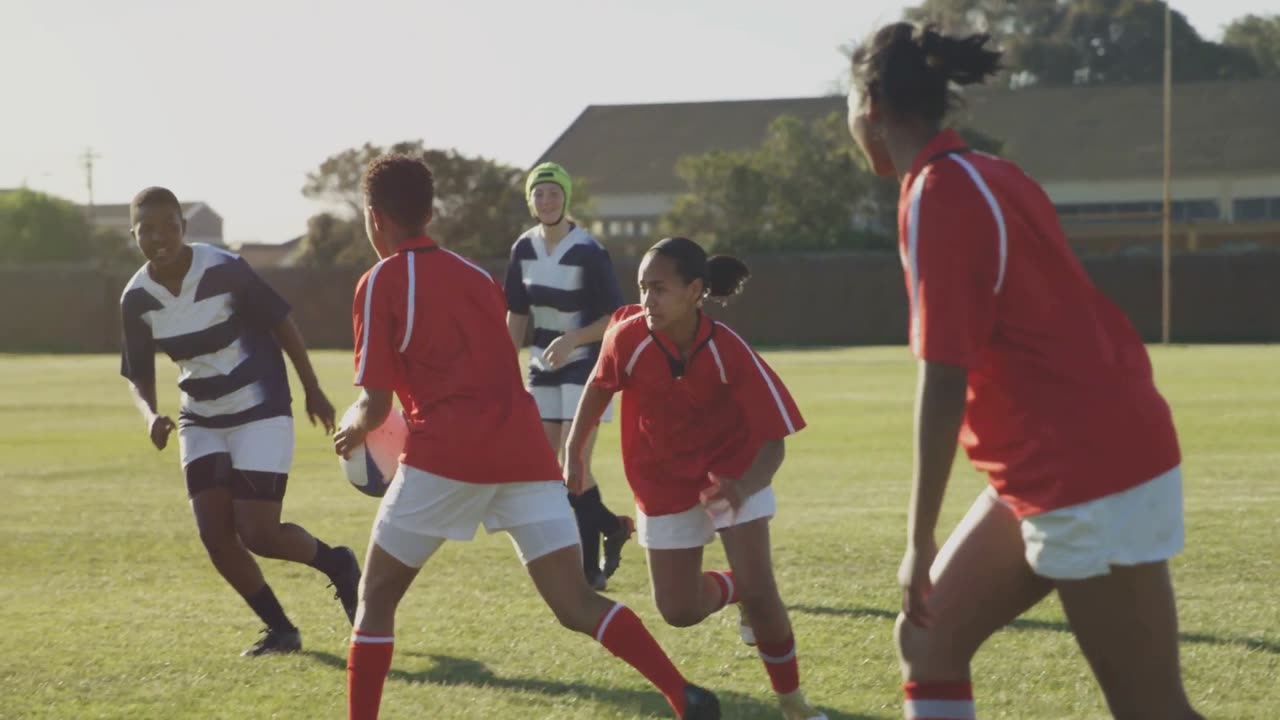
x=1046, y=385
x=703, y=422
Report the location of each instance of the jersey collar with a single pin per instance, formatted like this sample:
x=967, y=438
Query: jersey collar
x=947, y=141
x=668, y=347
x=419, y=243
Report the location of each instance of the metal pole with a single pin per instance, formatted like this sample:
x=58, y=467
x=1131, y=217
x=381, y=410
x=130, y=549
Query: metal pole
x=1168, y=177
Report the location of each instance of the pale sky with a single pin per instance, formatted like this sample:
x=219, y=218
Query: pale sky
x=233, y=102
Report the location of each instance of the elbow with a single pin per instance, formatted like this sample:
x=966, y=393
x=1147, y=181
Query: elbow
x=776, y=451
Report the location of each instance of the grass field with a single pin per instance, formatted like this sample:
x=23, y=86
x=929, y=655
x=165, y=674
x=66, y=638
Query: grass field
x=111, y=609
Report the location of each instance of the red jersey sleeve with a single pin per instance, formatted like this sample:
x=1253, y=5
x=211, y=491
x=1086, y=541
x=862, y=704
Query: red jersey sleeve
x=375, y=327
x=765, y=402
x=610, y=372
x=953, y=244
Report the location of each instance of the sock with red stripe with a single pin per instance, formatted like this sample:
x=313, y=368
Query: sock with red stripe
x=622, y=633
x=939, y=701
x=780, y=662
x=723, y=582
x=367, y=666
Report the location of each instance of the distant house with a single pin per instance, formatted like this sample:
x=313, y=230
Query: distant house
x=261, y=255
x=1098, y=151
x=203, y=223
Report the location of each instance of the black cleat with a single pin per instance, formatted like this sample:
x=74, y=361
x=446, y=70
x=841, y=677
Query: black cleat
x=613, y=543
x=597, y=581
x=275, y=640
x=700, y=704
x=346, y=583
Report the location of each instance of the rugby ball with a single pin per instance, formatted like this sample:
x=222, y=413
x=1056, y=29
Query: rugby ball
x=372, y=465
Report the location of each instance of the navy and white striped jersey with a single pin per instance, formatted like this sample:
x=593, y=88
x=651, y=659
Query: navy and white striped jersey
x=567, y=289
x=218, y=330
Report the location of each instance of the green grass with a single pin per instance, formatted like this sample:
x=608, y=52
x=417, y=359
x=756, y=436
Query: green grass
x=111, y=609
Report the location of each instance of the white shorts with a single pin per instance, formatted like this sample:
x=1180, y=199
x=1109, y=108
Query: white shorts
x=696, y=526
x=261, y=445
x=421, y=510
x=1140, y=525
x=559, y=403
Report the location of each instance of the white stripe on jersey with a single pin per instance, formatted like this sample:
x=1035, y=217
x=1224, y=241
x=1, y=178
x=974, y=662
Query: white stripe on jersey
x=368, y=315
x=549, y=273
x=777, y=397
x=474, y=266
x=213, y=364
x=715, y=353
x=409, y=303
x=631, y=364
x=995, y=211
x=178, y=317
x=245, y=398
x=911, y=261
x=548, y=318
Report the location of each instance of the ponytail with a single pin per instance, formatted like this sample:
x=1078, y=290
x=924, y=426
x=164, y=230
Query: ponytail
x=912, y=68
x=721, y=275
x=725, y=276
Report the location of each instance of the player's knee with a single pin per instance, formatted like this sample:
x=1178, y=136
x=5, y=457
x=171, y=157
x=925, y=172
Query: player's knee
x=928, y=652
x=577, y=611
x=759, y=595
x=913, y=642
x=217, y=541
x=680, y=612
x=259, y=540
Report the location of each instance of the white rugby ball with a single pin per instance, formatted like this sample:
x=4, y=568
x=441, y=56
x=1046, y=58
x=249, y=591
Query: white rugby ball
x=372, y=465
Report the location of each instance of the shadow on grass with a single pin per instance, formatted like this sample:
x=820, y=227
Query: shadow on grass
x=1248, y=643
x=446, y=671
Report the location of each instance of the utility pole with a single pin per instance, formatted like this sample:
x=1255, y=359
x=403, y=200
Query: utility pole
x=87, y=158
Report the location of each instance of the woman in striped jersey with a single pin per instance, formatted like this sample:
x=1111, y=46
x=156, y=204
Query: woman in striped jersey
x=563, y=278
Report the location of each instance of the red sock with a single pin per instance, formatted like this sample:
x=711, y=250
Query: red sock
x=780, y=662
x=367, y=667
x=623, y=634
x=939, y=701
x=723, y=580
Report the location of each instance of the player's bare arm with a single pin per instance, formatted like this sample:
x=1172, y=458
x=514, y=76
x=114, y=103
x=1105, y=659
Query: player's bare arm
x=372, y=408
x=318, y=406
x=940, y=406
x=590, y=408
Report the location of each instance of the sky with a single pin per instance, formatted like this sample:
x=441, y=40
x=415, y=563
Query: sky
x=233, y=102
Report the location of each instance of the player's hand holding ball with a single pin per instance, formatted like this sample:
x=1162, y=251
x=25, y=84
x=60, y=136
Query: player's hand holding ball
x=347, y=439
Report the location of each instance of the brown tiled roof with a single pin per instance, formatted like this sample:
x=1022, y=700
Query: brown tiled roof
x=1071, y=133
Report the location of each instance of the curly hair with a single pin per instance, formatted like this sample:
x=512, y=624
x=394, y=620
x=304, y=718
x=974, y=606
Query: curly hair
x=400, y=187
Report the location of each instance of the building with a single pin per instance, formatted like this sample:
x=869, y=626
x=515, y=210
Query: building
x=261, y=255
x=1097, y=150
x=204, y=224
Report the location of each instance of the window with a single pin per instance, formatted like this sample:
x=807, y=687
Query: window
x=1137, y=212
x=615, y=228
x=646, y=227
x=1256, y=208
x=597, y=227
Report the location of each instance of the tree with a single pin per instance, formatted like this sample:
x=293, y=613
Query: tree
x=1260, y=37
x=112, y=247
x=479, y=203
x=1048, y=42
x=35, y=227
x=804, y=188
x=332, y=241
